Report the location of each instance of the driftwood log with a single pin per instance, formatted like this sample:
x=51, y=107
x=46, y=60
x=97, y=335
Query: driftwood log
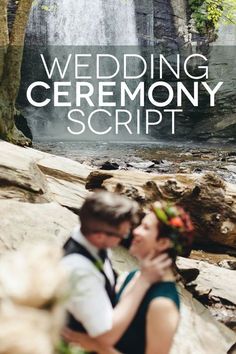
x=210, y=201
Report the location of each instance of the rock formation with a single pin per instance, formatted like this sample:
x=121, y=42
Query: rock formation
x=40, y=195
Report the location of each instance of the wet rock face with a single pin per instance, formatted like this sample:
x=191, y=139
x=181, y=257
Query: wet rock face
x=163, y=20
x=154, y=20
x=12, y=6
x=144, y=21
x=22, y=125
x=168, y=26
x=37, y=30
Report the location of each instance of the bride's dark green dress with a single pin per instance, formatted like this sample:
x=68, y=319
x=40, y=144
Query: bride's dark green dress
x=134, y=339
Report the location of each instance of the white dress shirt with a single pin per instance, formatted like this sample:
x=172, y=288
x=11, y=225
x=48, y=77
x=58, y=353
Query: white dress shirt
x=89, y=302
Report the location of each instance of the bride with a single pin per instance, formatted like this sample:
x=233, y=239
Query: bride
x=166, y=228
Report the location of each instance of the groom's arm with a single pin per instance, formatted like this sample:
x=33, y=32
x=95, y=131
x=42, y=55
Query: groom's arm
x=86, y=342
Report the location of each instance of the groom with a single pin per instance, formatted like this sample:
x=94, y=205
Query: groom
x=105, y=220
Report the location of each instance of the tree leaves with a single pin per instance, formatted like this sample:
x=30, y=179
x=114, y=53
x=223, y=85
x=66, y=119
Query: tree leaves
x=209, y=13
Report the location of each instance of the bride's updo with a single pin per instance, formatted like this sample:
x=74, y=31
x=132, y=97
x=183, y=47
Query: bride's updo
x=174, y=223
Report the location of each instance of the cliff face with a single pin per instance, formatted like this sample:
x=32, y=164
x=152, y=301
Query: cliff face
x=12, y=6
x=221, y=122
x=168, y=24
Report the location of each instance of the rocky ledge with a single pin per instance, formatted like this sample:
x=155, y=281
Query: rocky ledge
x=32, y=176
x=40, y=195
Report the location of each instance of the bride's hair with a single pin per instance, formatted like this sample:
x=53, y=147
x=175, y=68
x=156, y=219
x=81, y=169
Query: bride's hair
x=174, y=223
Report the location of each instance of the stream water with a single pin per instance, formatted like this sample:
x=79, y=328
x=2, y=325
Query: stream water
x=157, y=157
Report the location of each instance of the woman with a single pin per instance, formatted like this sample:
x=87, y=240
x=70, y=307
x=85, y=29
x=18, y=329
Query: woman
x=166, y=228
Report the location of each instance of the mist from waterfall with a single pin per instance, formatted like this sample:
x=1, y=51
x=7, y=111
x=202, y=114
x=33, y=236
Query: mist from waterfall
x=77, y=23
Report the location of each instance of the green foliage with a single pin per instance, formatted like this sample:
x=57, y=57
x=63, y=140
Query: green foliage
x=64, y=348
x=209, y=13
x=45, y=7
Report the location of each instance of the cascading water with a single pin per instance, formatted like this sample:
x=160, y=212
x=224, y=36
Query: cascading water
x=78, y=23
x=94, y=22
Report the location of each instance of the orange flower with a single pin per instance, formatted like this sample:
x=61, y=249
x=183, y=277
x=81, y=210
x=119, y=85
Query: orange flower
x=176, y=222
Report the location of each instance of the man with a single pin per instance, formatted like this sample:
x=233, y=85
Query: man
x=105, y=220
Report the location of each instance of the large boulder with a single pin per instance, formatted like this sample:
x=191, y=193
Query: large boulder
x=198, y=331
x=212, y=281
x=33, y=176
x=23, y=223
x=20, y=178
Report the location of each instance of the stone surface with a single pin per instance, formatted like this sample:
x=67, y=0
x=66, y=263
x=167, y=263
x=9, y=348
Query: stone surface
x=198, y=331
x=17, y=170
x=214, y=256
x=66, y=193
x=141, y=165
x=228, y=264
x=231, y=168
x=107, y=165
x=65, y=180
x=212, y=281
x=37, y=179
x=26, y=223
x=33, y=176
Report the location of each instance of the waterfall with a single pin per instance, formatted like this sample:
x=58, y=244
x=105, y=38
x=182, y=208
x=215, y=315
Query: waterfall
x=83, y=22
x=93, y=22
x=78, y=23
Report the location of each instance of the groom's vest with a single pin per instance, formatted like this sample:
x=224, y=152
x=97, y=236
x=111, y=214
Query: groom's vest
x=74, y=247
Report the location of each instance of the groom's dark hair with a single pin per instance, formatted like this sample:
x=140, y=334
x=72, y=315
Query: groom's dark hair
x=107, y=208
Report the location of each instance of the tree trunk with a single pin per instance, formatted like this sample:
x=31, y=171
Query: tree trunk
x=10, y=81
x=4, y=37
x=12, y=68
x=210, y=201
